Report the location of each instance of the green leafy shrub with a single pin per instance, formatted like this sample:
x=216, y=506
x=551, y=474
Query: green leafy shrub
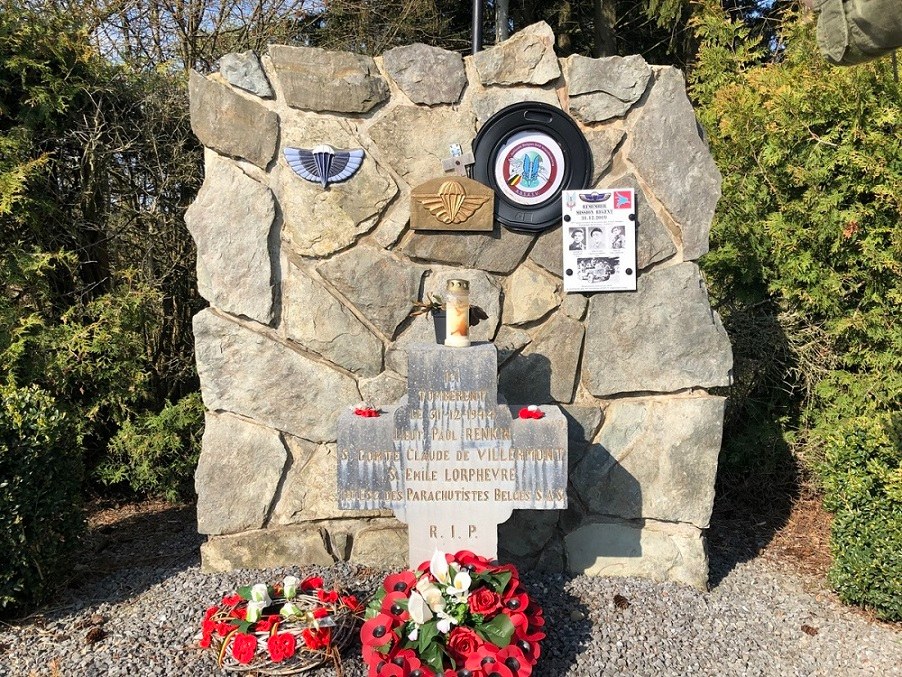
x=809, y=228
x=157, y=453
x=40, y=483
x=862, y=479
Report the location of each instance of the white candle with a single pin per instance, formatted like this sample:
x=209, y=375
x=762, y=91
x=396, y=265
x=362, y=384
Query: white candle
x=457, y=308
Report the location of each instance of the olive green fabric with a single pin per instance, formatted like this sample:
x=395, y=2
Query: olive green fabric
x=853, y=31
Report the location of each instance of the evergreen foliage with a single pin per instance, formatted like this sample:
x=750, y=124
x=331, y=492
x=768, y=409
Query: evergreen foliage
x=40, y=490
x=807, y=241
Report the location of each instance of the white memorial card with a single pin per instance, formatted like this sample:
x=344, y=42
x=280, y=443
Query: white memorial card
x=599, y=240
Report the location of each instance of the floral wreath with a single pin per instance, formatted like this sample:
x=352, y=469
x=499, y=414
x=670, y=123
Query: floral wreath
x=455, y=616
x=280, y=629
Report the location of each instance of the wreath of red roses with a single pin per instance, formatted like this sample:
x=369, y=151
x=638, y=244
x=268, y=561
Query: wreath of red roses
x=494, y=627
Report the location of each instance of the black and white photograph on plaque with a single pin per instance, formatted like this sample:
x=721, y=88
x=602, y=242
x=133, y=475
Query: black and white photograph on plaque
x=606, y=261
x=577, y=239
x=596, y=239
x=597, y=269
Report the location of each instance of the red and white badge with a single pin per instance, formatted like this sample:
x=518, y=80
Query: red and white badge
x=529, y=167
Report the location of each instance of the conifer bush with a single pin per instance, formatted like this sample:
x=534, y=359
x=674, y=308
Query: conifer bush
x=809, y=225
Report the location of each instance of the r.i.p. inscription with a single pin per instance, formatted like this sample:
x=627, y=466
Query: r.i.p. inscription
x=449, y=459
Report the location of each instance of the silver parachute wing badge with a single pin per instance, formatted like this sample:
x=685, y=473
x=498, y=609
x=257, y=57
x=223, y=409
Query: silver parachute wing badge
x=324, y=164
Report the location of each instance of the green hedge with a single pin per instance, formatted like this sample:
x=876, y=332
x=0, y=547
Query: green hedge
x=862, y=479
x=40, y=483
x=805, y=261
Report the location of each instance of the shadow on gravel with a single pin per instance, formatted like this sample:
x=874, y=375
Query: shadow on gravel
x=129, y=549
x=567, y=622
x=750, y=508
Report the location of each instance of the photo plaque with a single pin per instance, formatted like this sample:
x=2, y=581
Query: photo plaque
x=599, y=240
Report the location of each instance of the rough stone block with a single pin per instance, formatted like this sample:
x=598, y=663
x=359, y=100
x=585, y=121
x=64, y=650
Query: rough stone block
x=317, y=221
x=319, y=322
x=605, y=88
x=655, y=550
x=230, y=221
x=382, y=547
x=243, y=70
x=526, y=58
x=413, y=141
x=529, y=295
x=603, y=142
x=654, y=458
x=318, y=80
x=309, y=491
x=497, y=252
x=249, y=373
x=667, y=149
x=574, y=306
x=546, y=370
x=548, y=251
x=527, y=532
x=426, y=74
x=386, y=388
x=487, y=102
x=266, y=548
x=583, y=423
x=232, y=124
x=509, y=340
x=237, y=474
x=379, y=285
x=663, y=338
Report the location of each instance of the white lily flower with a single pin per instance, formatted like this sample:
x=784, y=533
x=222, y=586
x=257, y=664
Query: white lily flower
x=444, y=623
x=434, y=598
x=438, y=566
x=460, y=587
x=418, y=609
x=289, y=609
x=290, y=587
x=254, y=611
x=260, y=593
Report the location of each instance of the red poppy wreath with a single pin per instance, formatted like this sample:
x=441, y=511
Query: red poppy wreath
x=456, y=616
x=281, y=629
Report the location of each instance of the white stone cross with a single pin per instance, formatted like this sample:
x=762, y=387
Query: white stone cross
x=449, y=460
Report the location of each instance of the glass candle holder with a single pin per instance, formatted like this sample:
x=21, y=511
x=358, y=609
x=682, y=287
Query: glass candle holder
x=457, y=307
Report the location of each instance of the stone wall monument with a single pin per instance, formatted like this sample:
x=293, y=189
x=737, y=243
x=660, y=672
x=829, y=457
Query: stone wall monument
x=310, y=289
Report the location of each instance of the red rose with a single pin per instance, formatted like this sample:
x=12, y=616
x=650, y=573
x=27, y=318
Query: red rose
x=317, y=639
x=244, y=647
x=484, y=602
x=282, y=645
x=462, y=642
x=311, y=583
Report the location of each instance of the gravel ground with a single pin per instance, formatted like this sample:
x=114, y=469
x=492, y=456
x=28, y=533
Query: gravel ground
x=758, y=620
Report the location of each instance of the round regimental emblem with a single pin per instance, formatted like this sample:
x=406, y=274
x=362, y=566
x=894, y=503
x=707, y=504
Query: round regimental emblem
x=529, y=168
x=528, y=153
